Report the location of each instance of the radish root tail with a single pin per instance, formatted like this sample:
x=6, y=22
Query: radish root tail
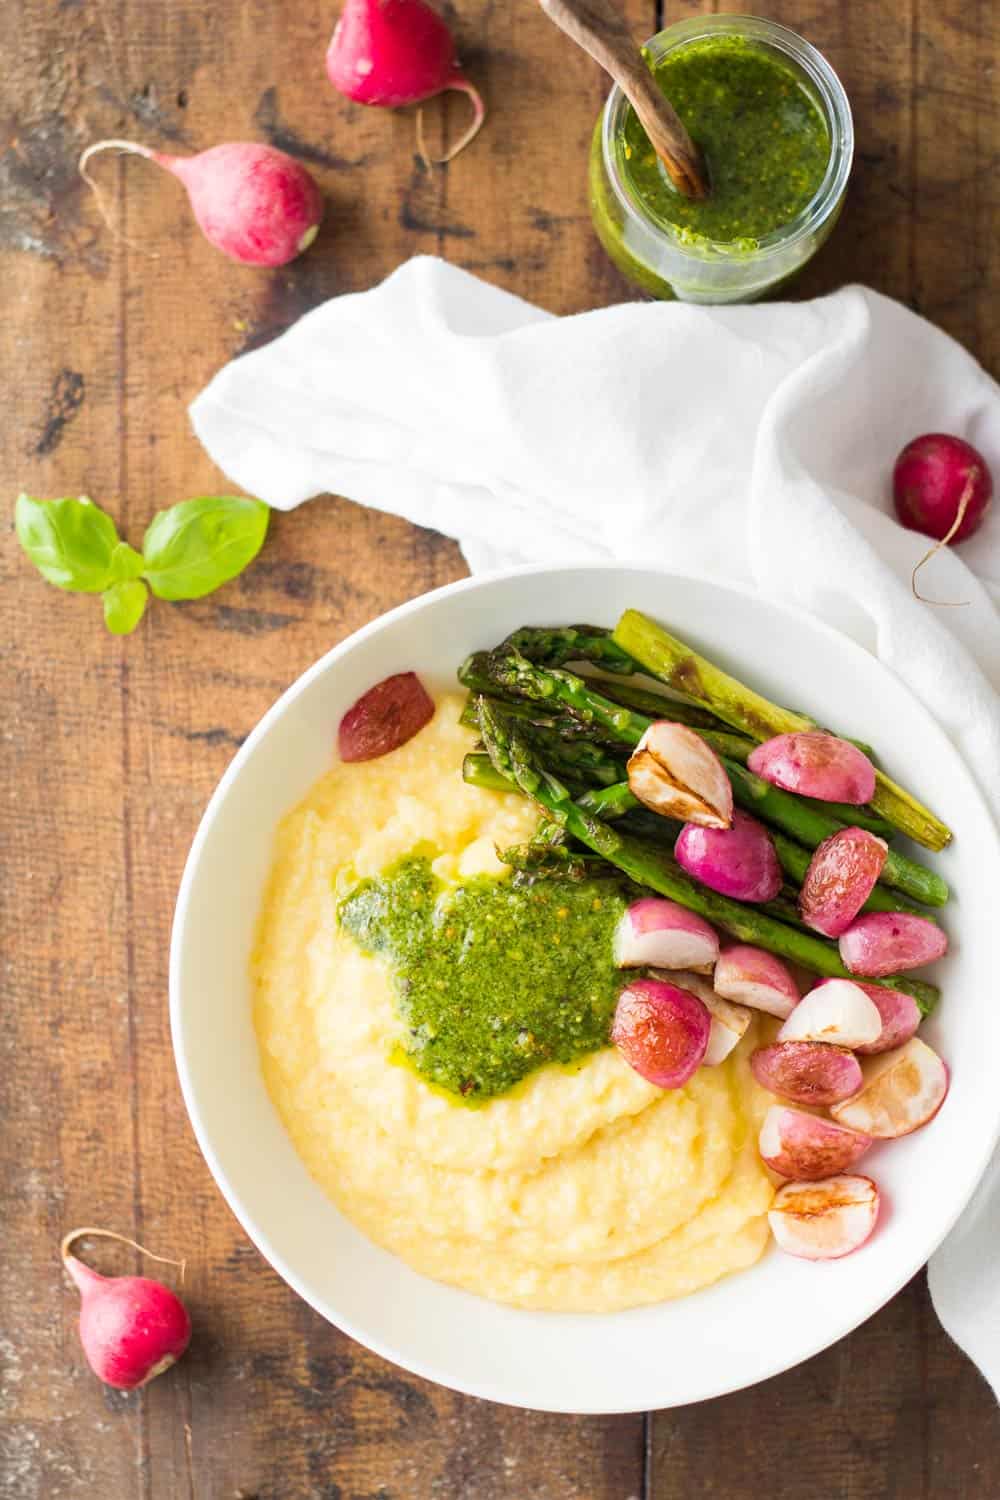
x=465, y=86
x=963, y=506
x=123, y=1239
x=130, y=148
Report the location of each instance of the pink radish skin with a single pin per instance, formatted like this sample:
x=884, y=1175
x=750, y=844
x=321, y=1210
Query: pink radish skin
x=941, y=486
x=902, y=1090
x=662, y=935
x=839, y=1012
x=841, y=876
x=662, y=1031
x=806, y=1147
x=676, y=774
x=254, y=203
x=824, y=1220
x=739, y=861
x=131, y=1328
x=900, y=1016
x=815, y=765
x=385, y=717
x=886, y=942
x=807, y=1072
x=392, y=53
x=749, y=976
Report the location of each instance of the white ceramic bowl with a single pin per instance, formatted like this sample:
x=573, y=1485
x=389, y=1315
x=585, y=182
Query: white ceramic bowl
x=747, y=1327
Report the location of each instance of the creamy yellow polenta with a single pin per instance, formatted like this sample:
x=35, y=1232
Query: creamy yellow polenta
x=585, y=1189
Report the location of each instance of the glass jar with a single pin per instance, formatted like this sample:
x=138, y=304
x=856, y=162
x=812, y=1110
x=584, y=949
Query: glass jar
x=652, y=254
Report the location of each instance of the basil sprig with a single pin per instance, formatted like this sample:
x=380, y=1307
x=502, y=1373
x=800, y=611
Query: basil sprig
x=188, y=550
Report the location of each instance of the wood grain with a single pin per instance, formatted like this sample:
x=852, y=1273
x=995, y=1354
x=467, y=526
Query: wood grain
x=110, y=748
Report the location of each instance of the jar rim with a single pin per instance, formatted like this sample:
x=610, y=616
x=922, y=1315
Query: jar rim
x=832, y=97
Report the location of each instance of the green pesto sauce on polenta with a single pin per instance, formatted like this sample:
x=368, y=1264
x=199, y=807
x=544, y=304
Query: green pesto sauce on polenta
x=492, y=979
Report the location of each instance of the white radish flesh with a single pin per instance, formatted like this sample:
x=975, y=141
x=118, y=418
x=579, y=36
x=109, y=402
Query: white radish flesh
x=807, y=1147
x=807, y=1072
x=730, y=1023
x=900, y=1016
x=676, y=774
x=824, y=1220
x=749, y=976
x=839, y=1012
x=901, y=1091
x=660, y=934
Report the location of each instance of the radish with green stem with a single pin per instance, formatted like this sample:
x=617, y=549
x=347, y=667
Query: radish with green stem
x=392, y=53
x=131, y=1328
x=254, y=203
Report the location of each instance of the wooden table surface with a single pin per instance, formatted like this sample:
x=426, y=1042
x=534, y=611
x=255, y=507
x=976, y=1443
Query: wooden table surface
x=112, y=747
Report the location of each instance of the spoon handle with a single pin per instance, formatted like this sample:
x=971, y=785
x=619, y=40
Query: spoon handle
x=600, y=29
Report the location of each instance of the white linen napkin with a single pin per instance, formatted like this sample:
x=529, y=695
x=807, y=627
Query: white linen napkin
x=754, y=443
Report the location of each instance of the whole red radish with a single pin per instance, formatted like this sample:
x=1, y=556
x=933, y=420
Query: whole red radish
x=941, y=486
x=131, y=1328
x=385, y=717
x=392, y=53
x=254, y=203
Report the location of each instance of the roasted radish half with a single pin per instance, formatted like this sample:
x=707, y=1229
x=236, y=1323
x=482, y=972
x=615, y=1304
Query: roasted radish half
x=739, y=861
x=729, y=1026
x=807, y=1072
x=660, y=934
x=807, y=1147
x=900, y=1015
x=885, y=942
x=900, y=1091
x=824, y=1220
x=385, y=717
x=815, y=764
x=729, y=1022
x=675, y=773
x=838, y=1012
x=841, y=876
x=661, y=1031
x=749, y=976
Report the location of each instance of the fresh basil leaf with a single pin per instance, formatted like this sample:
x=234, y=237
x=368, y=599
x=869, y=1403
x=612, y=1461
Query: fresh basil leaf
x=71, y=542
x=126, y=563
x=196, y=546
x=124, y=605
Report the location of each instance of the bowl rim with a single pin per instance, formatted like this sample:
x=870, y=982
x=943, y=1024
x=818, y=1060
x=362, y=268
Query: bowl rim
x=429, y=1369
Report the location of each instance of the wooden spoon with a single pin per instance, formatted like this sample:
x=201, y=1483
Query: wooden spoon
x=597, y=27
